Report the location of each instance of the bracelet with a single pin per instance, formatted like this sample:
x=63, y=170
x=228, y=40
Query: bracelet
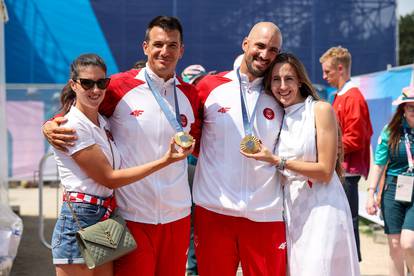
x=371, y=188
x=282, y=163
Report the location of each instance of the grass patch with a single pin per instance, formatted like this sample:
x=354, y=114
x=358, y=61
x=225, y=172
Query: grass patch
x=368, y=227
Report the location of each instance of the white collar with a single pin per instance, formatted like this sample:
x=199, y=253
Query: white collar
x=156, y=79
x=347, y=86
x=257, y=83
x=294, y=107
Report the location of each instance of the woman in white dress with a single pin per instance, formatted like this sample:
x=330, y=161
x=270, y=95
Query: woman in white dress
x=320, y=236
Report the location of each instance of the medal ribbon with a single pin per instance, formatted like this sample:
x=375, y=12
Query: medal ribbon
x=174, y=122
x=247, y=123
x=408, y=150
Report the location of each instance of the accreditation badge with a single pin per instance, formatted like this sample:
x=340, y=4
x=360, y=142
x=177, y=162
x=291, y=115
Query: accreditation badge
x=183, y=139
x=404, y=188
x=250, y=144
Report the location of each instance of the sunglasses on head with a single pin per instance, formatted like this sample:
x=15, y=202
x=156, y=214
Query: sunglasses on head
x=88, y=83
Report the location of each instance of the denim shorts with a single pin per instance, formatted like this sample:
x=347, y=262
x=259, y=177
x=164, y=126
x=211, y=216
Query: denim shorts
x=397, y=215
x=65, y=249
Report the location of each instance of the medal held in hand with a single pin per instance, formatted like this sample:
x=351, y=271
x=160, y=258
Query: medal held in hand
x=183, y=139
x=250, y=144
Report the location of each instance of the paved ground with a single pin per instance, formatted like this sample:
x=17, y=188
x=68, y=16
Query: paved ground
x=35, y=259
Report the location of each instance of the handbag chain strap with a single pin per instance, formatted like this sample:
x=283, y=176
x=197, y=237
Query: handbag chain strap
x=72, y=211
x=67, y=194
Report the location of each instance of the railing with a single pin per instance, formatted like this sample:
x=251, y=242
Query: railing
x=40, y=186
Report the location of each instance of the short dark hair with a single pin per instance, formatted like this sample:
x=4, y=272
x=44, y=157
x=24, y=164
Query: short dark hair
x=167, y=23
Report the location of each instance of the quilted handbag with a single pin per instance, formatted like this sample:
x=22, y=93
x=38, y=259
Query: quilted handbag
x=105, y=241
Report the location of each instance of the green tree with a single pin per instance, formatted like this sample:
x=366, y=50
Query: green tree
x=406, y=33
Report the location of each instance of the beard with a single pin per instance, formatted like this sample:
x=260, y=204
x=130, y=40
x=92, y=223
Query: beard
x=254, y=71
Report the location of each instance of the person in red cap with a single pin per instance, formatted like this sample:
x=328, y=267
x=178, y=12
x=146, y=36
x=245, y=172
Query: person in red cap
x=396, y=148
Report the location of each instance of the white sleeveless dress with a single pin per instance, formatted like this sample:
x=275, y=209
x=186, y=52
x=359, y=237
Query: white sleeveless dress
x=320, y=235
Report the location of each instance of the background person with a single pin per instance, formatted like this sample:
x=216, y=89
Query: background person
x=193, y=74
x=139, y=64
x=157, y=208
x=353, y=116
x=319, y=227
x=87, y=170
x=395, y=141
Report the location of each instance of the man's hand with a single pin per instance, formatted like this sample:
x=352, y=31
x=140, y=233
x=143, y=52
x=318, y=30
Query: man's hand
x=59, y=137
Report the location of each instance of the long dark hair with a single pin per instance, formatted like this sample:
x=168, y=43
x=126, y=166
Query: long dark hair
x=306, y=89
x=67, y=95
x=394, y=127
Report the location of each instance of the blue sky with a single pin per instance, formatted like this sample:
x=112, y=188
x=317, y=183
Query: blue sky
x=405, y=6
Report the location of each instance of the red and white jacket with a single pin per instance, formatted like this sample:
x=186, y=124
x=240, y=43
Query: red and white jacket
x=353, y=116
x=225, y=181
x=142, y=134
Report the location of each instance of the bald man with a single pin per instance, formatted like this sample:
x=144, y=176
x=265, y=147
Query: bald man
x=238, y=215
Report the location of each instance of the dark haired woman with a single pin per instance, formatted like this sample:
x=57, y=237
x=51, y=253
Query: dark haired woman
x=395, y=148
x=89, y=170
x=320, y=236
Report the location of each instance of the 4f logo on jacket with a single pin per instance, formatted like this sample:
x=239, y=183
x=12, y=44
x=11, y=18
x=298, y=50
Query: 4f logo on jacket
x=136, y=113
x=223, y=109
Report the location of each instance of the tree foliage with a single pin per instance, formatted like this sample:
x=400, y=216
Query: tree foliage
x=406, y=33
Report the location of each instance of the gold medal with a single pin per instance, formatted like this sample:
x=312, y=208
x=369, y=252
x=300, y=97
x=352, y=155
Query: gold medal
x=250, y=144
x=183, y=139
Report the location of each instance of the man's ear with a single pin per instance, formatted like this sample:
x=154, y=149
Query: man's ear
x=145, y=47
x=340, y=67
x=181, y=50
x=245, y=44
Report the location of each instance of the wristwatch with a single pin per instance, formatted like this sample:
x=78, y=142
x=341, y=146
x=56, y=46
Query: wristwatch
x=282, y=163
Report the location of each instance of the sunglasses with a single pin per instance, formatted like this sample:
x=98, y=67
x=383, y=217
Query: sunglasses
x=409, y=108
x=89, y=84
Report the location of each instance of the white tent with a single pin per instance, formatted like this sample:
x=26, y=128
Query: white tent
x=3, y=128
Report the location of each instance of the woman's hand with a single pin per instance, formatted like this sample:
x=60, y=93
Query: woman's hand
x=371, y=205
x=176, y=153
x=262, y=155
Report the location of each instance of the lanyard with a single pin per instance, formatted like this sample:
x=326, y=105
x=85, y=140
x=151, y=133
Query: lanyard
x=247, y=122
x=408, y=150
x=175, y=123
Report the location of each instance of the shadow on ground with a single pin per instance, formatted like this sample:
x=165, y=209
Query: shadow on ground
x=33, y=258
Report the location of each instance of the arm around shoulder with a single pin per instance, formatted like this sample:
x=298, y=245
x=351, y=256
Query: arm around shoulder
x=57, y=136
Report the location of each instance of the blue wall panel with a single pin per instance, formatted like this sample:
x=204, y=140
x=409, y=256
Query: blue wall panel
x=50, y=35
x=54, y=32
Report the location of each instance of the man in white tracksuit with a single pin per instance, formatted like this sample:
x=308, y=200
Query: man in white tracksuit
x=238, y=215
